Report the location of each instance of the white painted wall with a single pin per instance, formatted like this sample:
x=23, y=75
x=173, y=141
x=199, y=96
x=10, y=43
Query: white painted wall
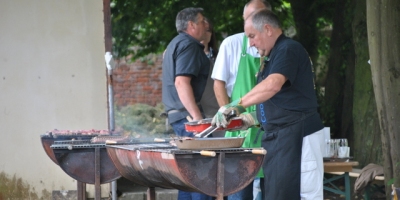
x=52, y=75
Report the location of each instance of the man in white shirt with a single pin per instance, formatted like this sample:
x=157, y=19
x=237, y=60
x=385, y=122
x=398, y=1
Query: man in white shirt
x=234, y=75
x=227, y=64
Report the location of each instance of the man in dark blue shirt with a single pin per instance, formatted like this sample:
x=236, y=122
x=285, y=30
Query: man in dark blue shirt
x=185, y=67
x=286, y=110
x=185, y=72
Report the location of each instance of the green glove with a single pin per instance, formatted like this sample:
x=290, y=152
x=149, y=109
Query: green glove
x=226, y=112
x=248, y=120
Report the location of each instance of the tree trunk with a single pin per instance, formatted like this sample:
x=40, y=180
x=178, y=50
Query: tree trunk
x=346, y=128
x=332, y=109
x=366, y=146
x=383, y=25
x=306, y=26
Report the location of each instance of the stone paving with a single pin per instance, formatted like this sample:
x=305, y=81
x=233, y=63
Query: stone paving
x=131, y=191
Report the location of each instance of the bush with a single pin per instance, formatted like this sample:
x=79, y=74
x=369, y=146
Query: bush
x=142, y=120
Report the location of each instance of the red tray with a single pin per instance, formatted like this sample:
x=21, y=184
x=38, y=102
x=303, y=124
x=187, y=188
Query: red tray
x=194, y=126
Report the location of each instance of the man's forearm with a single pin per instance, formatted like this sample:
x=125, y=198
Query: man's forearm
x=220, y=92
x=185, y=93
x=263, y=91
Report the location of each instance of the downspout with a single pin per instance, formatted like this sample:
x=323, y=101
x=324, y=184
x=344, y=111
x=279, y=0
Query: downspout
x=110, y=66
x=111, y=122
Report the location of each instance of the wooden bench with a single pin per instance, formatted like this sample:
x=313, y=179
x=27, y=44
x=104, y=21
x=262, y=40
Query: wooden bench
x=375, y=185
x=343, y=169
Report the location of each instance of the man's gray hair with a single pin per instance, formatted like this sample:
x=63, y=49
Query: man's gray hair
x=266, y=4
x=262, y=17
x=186, y=15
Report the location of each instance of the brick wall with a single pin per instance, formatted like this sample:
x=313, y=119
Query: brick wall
x=138, y=82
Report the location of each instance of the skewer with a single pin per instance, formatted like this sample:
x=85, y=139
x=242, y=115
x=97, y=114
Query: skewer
x=206, y=153
x=111, y=142
x=257, y=151
x=160, y=140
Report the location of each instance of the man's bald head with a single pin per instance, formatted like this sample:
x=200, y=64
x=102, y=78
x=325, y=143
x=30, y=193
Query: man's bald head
x=254, y=5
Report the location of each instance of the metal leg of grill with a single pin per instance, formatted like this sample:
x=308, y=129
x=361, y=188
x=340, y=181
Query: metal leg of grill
x=220, y=176
x=114, y=190
x=81, y=190
x=97, y=174
x=151, y=193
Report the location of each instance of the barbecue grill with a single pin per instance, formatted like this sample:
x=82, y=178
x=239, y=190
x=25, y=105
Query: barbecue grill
x=102, y=158
x=49, y=138
x=162, y=165
x=82, y=155
x=77, y=158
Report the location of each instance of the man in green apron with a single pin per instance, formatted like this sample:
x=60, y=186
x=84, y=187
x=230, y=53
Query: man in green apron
x=234, y=75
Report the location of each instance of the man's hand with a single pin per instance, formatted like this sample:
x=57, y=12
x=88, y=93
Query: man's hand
x=222, y=118
x=248, y=120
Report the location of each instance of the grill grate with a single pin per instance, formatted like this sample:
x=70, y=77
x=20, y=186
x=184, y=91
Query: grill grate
x=145, y=146
x=134, y=144
x=75, y=144
x=230, y=150
x=115, y=138
x=168, y=148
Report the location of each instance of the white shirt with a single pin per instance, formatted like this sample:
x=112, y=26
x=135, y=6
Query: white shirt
x=227, y=62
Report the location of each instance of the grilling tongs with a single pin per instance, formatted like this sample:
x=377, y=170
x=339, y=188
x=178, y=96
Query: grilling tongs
x=207, y=131
x=212, y=129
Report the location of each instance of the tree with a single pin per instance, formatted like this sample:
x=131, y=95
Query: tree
x=383, y=25
x=143, y=27
x=339, y=55
x=310, y=16
x=312, y=19
x=364, y=113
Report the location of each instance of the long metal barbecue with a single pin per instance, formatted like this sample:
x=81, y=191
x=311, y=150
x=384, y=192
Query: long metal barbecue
x=161, y=165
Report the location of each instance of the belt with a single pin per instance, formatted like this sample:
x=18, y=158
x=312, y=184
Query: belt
x=175, y=111
x=182, y=109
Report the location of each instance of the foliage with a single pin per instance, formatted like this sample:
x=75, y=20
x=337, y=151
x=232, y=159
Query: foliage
x=141, y=120
x=313, y=24
x=143, y=27
x=13, y=187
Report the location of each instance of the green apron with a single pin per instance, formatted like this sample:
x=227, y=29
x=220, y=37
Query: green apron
x=245, y=81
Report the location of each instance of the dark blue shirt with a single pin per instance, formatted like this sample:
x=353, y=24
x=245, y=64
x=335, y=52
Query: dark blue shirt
x=184, y=57
x=289, y=58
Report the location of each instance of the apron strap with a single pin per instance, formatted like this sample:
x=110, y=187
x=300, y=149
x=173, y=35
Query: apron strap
x=258, y=135
x=244, y=46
